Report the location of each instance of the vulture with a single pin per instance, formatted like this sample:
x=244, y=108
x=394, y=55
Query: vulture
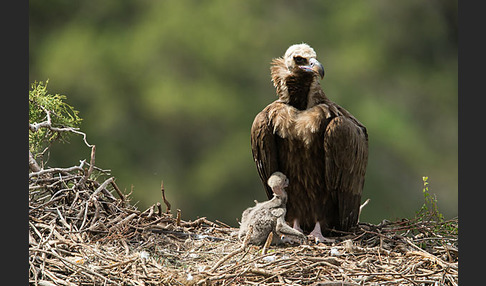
x=269, y=216
x=319, y=145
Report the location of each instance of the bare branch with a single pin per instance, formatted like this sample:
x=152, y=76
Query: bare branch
x=91, y=166
x=58, y=170
x=166, y=202
x=34, y=127
x=33, y=166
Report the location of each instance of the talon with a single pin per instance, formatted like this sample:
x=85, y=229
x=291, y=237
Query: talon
x=316, y=234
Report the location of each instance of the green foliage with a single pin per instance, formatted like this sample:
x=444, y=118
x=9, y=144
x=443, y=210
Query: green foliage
x=43, y=105
x=429, y=213
x=430, y=208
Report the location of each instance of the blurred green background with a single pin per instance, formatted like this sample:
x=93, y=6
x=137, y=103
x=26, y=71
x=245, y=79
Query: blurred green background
x=168, y=91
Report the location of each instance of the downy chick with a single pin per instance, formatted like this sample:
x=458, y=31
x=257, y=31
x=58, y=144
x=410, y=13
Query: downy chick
x=269, y=216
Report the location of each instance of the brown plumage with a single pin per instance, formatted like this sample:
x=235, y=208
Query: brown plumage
x=319, y=145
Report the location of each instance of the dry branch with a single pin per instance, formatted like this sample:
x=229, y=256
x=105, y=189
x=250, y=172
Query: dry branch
x=34, y=127
x=166, y=202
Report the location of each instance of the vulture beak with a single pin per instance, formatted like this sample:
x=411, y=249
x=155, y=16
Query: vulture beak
x=314, y=66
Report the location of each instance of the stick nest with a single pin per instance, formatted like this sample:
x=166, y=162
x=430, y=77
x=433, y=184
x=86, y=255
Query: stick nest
x=84, y=231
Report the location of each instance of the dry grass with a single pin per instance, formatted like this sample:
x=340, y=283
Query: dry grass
x=83, y=232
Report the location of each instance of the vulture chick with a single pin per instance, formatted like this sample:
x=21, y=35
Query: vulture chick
x=269, y=216
x=320, y=146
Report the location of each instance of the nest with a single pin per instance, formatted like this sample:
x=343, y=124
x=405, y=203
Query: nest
x=84, y=231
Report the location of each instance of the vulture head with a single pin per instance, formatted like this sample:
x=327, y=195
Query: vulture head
x=303, y=57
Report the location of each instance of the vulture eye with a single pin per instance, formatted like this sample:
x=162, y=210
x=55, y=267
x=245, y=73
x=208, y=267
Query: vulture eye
x=300, y=60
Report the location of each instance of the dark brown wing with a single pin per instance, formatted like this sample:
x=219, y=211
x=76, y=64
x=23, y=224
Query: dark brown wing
x=346, y=156
x=264, y=149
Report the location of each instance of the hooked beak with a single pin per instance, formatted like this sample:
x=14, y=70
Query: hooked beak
x=314, y=66
x=286, y=184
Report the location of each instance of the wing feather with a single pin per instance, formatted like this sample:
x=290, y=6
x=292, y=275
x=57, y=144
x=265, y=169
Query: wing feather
x=264, y=149
x=346, y=156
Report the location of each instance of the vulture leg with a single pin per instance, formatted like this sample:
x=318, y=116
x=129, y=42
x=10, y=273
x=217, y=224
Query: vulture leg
x=317, y=234
x=296, y=225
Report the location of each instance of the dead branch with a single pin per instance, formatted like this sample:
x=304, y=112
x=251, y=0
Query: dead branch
x=58, y=170
x=118, y=191
x=33, y=166
x=34, y=127
x=267, y=243
x=91, y=166
x=166, y=202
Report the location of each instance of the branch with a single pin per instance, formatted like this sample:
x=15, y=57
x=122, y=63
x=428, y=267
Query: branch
x=266, y=246
x=119, y=192
x=34, y=127
x=33, y=166
x=58, y=170
x=91, y=166
x=361, y=207
x=166, y=202
x=101, y=187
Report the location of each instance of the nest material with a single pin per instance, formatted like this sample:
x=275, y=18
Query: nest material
x=83, y=232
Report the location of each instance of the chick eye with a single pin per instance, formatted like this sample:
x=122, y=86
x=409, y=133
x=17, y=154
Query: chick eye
x=300, y=60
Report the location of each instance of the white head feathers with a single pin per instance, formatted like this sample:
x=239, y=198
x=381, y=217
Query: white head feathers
x=302, y=50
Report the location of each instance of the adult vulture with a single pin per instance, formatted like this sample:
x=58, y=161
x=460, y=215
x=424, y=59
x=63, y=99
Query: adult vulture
x=317, y=144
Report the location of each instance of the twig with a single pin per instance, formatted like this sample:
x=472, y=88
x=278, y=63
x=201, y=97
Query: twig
x=58, y=170
x=33, y=166
x=102, y=186
x=166, y=202
x=150, y=211
x=222, y=224
x=361, y=207
x=125, y=220
x=197, y=222
x=267, y=243
x=119, y=192
x=233, y=253
x=85, y=216
x=178, y=218
x=159, y=208
x=91, y=166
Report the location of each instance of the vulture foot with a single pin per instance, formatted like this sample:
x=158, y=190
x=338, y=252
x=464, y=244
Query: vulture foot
x=296, y=225
x=317, y=236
